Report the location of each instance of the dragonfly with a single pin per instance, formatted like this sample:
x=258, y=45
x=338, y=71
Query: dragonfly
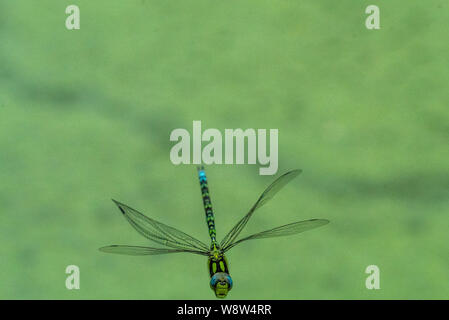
x=176, y=241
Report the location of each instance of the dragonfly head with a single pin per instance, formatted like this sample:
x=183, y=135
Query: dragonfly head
x=221, y=284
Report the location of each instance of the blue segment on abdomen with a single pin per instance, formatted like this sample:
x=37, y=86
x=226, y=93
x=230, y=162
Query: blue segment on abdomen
x=202, y=175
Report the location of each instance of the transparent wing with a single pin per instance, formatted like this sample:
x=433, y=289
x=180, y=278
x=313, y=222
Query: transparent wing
x=140, y=251
x=161, y=233
x=267, y=195
x=285, y=230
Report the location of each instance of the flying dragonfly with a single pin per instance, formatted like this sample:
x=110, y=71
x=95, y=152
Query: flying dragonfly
x=176, y=241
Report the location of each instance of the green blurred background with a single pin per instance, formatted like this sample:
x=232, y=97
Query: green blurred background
x=85, y=116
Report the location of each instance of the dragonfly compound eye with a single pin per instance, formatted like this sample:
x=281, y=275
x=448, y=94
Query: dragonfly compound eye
x=213, y=281
x=229, y=281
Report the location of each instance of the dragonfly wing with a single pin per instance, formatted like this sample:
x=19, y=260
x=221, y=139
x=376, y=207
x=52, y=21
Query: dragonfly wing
x=267, y=195
x=285, y=230
x=139, y=251
x=159, y=232
x=274, y=188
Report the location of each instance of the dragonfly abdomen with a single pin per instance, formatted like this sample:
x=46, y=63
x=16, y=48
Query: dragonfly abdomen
x=207, y=204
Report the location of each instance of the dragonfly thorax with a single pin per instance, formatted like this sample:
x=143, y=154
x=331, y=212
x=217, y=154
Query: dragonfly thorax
x=215, y=250
x=217, y=262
